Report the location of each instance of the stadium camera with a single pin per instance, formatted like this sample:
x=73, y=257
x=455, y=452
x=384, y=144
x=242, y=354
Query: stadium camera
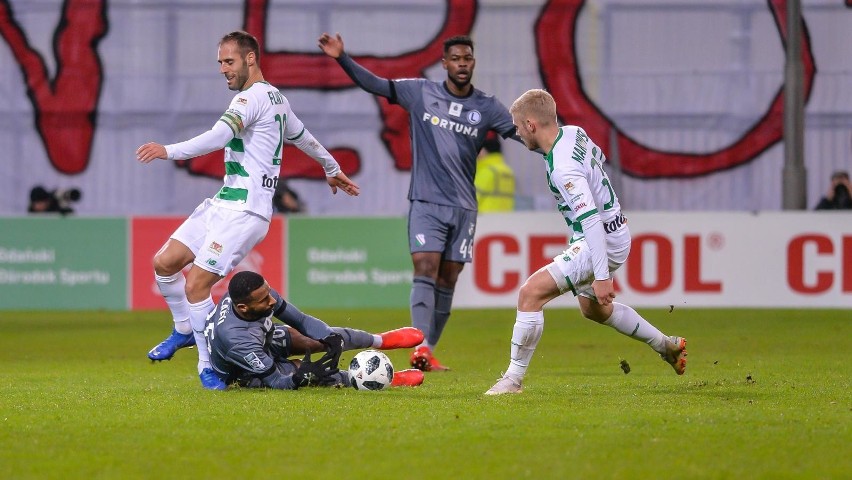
x=59, y=200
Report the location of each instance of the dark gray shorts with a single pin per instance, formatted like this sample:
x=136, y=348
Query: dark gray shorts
x=279, y=350
x=439, y=228
x=279, y=346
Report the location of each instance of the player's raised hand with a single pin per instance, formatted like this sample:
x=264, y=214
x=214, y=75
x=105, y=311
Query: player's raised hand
x=604, y=291
x=332, y=46
x=150, y=151
x=342, y=182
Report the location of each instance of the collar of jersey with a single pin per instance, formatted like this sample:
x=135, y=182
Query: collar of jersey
x=447, y=89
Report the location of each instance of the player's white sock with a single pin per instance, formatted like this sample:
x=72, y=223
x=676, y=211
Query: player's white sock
x=377, y=341
x=173, y=290
x=198, y=319
x=525, y=337
x=626, y=321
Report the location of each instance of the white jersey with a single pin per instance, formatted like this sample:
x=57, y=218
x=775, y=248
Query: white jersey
x=579, y=183
x=261, y=119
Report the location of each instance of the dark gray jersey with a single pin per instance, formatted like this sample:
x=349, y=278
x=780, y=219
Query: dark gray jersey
x=239, y=347
x=447, y=133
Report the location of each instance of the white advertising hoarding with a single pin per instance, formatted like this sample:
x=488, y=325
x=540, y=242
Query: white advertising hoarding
x=777, y=259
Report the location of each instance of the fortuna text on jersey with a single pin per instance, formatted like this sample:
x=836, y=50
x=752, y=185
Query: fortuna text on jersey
x=450, y=125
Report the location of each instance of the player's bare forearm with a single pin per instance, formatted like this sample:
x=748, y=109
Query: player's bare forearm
x=150, y=152
x=331, y=46
x=342, y=182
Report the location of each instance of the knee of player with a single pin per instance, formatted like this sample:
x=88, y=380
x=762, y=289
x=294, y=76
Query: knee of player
x=426, y=264
x=528, y=298
x=167, y=263
x=162, y=266
x=198, y=287
x=595, y=311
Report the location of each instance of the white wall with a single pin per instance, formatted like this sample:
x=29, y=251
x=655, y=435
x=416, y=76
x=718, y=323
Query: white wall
x=676, y=76
x=736, y=259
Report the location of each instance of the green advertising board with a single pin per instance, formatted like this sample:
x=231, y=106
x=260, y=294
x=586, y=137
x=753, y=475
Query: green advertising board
x=63, y=263
x=342, y=262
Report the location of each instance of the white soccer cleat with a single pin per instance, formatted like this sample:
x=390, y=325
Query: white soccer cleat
x=505, y=385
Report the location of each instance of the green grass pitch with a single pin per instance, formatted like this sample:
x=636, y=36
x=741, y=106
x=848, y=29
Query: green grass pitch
x=766, y=395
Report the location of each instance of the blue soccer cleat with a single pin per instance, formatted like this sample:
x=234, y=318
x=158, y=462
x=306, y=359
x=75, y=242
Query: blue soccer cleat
x=210, y=380
x=167, y=348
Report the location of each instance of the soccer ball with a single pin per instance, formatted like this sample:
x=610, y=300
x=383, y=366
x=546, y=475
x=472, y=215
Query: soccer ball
x=370, y=370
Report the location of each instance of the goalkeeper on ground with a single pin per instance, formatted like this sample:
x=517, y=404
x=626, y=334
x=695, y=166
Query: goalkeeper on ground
x=248, y=348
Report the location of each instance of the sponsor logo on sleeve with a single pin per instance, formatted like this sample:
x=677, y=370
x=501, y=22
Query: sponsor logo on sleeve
x=255, y=362
x=420, y=239
x=242, y=100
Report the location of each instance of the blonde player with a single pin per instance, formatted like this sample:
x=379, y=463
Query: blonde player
x=599, y=245
x=223, y=229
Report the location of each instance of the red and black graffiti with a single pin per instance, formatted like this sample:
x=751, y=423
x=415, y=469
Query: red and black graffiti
x=66, y=106
x=556, y=44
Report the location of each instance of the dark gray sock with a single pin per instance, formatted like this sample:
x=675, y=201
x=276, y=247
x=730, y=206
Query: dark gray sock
x=354, y=339
x=422, y=304
x=443, y=304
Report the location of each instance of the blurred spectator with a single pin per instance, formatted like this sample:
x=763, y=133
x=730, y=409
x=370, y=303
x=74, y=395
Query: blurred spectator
x=56, y=201
x=495, y=180
x=285, y=200
x=839, y=195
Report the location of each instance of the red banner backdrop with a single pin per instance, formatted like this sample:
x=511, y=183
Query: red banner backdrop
x=148, y=234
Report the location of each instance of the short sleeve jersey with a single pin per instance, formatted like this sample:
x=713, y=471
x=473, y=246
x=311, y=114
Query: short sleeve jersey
x=447, y=133
x=578, y=182
x=261, y=119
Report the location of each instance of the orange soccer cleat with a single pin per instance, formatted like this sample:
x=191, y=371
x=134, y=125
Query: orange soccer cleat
x=405, y=337
x=407, y=378
x=675, y=354
x=422, y=359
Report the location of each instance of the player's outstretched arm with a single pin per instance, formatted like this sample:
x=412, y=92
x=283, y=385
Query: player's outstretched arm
x=209, y=141
x=342, y=182
x=150, y=152
x=331, y=46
